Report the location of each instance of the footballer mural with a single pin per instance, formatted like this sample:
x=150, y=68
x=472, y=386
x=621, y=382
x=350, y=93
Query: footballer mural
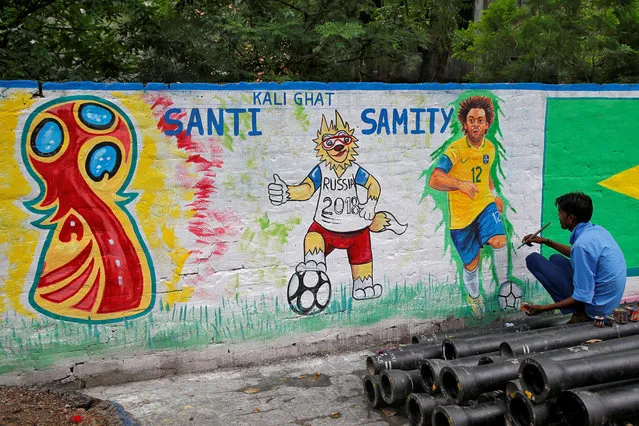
x=466, y=168
x=344, y=218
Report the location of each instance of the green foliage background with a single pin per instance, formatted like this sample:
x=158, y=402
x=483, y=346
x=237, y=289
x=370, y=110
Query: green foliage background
x=556, y=41
x=550, y=41
x=227, y=41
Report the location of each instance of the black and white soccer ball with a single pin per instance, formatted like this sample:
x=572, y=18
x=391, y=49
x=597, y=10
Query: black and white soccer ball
x=308, y=292
x=509, y=296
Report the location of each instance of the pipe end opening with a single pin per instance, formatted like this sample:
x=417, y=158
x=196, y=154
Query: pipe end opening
x=386, y=387
x=533, y=379
x=449, y=385
x=519, y=410
x=370, y=365
x=573, y=409
x=414, y=411
x=440, y=418
x=370, y=390
x=428, y=377
x=506, y=351
x=448, y=350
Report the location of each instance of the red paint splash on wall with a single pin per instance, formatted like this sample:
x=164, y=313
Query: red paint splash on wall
x=212, y=227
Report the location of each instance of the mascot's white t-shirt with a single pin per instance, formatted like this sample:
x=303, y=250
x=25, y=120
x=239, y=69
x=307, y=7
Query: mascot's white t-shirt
x=338, y=205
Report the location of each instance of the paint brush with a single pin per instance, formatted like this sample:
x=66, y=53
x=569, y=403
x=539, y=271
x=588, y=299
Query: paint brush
x=535, y=234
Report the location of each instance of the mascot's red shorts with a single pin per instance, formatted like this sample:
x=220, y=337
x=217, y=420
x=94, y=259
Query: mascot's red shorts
x=356, y=243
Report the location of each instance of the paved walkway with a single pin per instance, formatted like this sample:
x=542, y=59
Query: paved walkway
x=308, y=391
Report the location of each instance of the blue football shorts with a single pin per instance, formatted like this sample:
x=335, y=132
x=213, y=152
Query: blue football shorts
x=469, y=240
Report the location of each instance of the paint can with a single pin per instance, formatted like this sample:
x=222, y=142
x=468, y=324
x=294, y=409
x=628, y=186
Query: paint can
x=629, y=309
x=635, y=314
x=599, y=321
x=609, y=321
x=621, y=315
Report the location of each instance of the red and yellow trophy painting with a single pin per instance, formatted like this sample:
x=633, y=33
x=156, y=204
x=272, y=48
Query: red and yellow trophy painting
x=93, y=265
x=341, y=219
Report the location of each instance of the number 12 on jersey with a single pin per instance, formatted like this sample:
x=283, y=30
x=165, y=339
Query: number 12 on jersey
x=476, y=174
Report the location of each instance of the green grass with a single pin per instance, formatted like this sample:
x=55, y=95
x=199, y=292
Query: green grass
x=38, y=343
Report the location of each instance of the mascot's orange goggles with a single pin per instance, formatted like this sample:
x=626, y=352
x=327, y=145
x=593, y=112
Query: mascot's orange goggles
x=331, y=142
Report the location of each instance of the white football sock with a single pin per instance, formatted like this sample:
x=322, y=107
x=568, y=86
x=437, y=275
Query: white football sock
x=500, y=262
x=471, y=282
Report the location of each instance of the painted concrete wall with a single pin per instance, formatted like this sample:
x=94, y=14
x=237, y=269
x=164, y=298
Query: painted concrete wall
x=146, y=217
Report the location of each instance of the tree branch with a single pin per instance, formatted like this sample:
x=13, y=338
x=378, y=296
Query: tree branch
x=293, y=7
x=20, y=18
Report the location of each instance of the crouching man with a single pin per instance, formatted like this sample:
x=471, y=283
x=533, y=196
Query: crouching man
x=588, y=277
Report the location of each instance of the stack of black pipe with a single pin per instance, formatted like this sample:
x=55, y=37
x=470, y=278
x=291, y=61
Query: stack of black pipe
x=537, y=373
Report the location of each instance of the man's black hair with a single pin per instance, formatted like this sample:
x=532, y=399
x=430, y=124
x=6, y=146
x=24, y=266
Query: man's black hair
x=577, y=204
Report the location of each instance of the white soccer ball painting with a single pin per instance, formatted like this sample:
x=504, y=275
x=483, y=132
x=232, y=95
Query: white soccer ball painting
x=308, y=292
x=509, y=296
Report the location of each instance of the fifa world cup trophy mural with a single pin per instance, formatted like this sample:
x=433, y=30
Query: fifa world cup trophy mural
x=94, y=265
x=341, y=219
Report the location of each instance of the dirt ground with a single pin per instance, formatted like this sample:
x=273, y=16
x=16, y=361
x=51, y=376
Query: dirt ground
x=45, y=406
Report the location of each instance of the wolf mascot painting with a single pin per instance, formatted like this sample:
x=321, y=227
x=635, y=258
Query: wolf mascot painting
x=341, y=219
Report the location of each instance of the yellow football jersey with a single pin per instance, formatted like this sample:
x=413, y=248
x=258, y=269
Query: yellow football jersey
x=473, y=165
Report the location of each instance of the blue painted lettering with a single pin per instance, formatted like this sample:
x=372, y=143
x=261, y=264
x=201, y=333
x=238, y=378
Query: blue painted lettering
x=431, y=120
x=313, y=98
x=269, y=98
x=383, y=121
x=216, y=121
x=368, y=120
x=173, y=122
x=254, y=111
x=417, y=130
x=446, y=118
x=236, y=119
x=213, y=122
x=412, y=120
x=195, y=121
x=399, y=119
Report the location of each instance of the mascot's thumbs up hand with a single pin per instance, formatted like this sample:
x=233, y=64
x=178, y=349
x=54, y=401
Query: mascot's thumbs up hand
x=277, y=191
x=367, y=211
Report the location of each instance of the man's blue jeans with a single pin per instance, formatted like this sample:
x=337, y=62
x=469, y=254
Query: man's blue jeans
x=555, y=274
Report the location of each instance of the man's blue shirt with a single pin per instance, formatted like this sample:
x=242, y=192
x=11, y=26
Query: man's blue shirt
x=600, y=269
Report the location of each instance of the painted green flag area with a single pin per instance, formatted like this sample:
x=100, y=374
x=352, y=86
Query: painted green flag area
x=591, y=146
